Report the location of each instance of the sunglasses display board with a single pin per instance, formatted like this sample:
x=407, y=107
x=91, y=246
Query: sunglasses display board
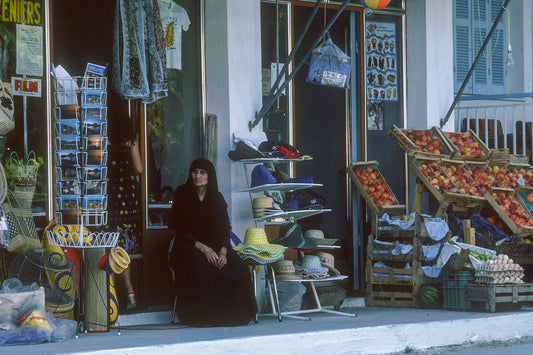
x=80, y=122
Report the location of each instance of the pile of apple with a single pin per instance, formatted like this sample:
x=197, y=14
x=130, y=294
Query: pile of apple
x=437, y=178
x=482, y=177
x=425, y=141
x=512, y=208
x=462, y=180
x=466, y=144
x=375, y=186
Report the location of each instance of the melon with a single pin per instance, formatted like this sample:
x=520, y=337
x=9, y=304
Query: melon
x=429, y=297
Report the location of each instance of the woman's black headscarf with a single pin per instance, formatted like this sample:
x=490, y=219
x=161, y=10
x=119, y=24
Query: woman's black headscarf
x=204, y=164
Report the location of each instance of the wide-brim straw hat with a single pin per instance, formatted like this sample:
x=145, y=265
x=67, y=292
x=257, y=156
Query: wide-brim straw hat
x=291, y=236
x=261, y=258
x=317, y=236
x=255, y=242
x=285, y=270
x=328, y=260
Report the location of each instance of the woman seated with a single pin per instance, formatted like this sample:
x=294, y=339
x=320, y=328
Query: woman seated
x=213, y=284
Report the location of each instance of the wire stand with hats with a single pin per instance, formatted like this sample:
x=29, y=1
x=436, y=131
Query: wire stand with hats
x=80, y=122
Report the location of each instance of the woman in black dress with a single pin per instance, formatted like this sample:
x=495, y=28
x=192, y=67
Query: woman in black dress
x=213, y=284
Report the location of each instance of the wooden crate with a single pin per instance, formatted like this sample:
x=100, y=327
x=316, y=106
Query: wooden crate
x=490, y=296
x=393, y=297
x=391, y=276
x=479, y=171
x=376, y=206
x=377, y=251
x=462, y=142
x=508, y=175
x=420, y=141
x=515, y=229
x=418, y=164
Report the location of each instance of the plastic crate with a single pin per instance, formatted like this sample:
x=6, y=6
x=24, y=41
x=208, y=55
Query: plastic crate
x=454, y=290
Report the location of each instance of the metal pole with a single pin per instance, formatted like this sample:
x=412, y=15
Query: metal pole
x=467, y=78
x=271, y=97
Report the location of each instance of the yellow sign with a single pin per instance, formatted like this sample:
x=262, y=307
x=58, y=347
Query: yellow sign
x=21, y=11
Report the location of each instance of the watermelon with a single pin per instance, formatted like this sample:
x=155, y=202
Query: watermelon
x=429, y=297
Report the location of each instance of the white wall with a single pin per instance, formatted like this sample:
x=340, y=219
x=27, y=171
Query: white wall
x=233, y=90
x=429, y=53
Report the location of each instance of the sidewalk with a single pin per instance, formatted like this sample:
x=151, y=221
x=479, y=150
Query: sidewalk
x=371, y=331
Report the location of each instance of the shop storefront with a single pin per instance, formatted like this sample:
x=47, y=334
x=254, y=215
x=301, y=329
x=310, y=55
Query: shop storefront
x=218, y=76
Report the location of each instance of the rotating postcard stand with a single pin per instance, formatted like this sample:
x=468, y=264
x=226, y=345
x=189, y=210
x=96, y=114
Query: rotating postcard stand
x=81, y=189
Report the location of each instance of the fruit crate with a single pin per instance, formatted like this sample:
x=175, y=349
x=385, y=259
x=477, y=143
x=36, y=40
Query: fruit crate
x=510, y=175
x=453, y=288
x=466, y=145
x=479, y=171
x=430, y=173
x=391, y=296
x=504, y=201
x=373, y=188
x=390, y=276
x=426, y=142
x=526, y=195
x=490, y=296
x=381, y=249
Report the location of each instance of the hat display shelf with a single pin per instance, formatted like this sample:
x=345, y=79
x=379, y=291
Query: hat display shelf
x=80, y=158
x=270, y=215
x=276, y=217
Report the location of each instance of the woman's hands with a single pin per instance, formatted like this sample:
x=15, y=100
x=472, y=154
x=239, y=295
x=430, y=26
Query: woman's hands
x=217, y=260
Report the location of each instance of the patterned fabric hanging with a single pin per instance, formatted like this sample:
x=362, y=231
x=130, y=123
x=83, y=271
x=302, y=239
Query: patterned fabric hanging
x=139, y=56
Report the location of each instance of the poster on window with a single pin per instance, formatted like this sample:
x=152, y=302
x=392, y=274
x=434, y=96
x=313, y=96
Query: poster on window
x=381, y=61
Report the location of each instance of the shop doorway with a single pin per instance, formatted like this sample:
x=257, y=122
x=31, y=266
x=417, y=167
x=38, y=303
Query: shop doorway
x=321, y=129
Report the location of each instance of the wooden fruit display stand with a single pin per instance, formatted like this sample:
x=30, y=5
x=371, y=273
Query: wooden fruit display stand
x=511, y=210
x=387, y=286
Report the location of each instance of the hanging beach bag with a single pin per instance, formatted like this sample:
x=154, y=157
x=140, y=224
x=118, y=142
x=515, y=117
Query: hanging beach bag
x=329, y=66
x=21, y=225
x=7, y=109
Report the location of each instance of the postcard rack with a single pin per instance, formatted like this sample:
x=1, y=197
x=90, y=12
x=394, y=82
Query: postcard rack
x=80, y=125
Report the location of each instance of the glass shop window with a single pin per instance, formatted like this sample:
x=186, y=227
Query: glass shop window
x=23, y=73
x=174, y=124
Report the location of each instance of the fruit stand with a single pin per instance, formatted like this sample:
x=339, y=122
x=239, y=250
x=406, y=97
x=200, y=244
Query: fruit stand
x=465, y=178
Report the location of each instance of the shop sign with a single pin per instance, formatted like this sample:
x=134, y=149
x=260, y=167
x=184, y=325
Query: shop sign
x=20, y=11
x=26, y=87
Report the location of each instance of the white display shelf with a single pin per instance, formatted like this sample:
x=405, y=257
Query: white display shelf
x=291, y=214
x=282, y=186
x=87, y=240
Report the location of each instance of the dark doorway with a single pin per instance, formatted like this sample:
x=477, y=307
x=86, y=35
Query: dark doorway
x=320, y=127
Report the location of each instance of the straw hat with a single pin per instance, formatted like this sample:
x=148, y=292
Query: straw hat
x=328, y=261
x=284, y=270
x=261, y=258
x=312, y=263
x=118, y=259
x=256, y=242
x=317, y=236
x=259, y=203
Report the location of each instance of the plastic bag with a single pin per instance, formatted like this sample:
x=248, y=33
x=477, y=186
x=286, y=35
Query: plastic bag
x=329, y=66
x=24, y=335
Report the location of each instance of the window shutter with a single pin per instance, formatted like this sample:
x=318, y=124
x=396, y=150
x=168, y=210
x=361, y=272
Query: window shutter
x=463, y=52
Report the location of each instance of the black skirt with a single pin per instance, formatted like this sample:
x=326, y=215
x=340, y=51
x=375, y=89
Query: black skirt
x=209, y=296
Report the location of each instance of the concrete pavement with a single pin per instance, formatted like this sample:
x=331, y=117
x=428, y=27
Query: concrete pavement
x=369, y=331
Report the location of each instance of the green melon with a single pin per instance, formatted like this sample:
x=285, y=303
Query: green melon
x=429, y=297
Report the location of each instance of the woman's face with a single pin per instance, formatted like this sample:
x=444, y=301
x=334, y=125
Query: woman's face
x=199, y=177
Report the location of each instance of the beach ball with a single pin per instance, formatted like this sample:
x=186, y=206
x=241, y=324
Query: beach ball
x=375, y=4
